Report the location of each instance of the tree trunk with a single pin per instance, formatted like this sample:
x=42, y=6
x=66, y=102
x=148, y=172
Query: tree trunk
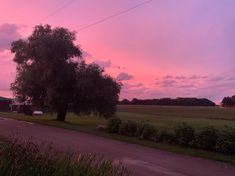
x=61, y=114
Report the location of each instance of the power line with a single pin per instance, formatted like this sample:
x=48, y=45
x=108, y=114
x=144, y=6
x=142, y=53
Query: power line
x=113, y=16
x=57, y=11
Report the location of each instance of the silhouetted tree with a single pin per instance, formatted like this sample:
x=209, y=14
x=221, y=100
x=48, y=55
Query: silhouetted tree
x=124, y=102
x=49, y=76
x=228, y=102
x=95, y=92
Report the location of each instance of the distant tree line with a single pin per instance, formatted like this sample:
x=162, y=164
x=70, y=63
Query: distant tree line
x=170, y=102
x=228, y=101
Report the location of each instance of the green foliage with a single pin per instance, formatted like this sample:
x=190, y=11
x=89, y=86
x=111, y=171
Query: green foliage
x=96, y=92
x=140, y=128
x=165, y=136
x=128, y=128
x=25, y=158
x=206, y=138
x=113, y=125
x=45, y=72
x=184, y=134
x=49, y=77
x=145, y=131
x=149, y=132
x=226, y=141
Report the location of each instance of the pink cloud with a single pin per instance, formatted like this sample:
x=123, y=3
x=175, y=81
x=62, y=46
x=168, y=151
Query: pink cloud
x=8, y=33
x=124, y=76
x=103, y=64
x=7, y=72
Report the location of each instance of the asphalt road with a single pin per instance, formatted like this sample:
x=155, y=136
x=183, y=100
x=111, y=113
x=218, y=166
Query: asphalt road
x=142, y=161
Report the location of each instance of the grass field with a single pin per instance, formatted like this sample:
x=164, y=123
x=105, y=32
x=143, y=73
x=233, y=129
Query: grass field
x=163, y=117
x=166, y=117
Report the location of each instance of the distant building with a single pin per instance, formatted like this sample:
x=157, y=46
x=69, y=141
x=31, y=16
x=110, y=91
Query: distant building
x=5, y=104
x=17, y=106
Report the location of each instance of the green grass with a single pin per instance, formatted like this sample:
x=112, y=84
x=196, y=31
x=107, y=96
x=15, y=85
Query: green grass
x=73, y=122
x=165, y=117
x=2, y=141
x=20, y=157
x=162, y=117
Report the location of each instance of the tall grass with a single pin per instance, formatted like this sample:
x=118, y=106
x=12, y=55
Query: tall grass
x=26, y=158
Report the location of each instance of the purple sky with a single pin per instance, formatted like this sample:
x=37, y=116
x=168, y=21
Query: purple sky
x=165, y=48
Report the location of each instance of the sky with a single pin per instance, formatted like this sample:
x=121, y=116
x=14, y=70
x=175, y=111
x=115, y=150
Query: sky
x=165, y=48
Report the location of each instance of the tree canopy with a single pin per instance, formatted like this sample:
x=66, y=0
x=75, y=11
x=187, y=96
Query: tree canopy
x=228, y=101
x=51, y=73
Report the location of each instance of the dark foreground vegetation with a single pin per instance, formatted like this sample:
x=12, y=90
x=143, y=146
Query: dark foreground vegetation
x=170, y=102
x=25, y=158
x=208, y=138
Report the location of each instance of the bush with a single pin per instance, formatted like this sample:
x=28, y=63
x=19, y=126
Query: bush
x=226, y=141
x=184, y=134
x=19, y=158
x=113, y=125
x=149, y=132
x=140, y=129
x=145, y=131
x=128, y=128
x=206, y=139
x=165, y=136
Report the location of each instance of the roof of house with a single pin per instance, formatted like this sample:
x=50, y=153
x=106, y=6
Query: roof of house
x=4, y=98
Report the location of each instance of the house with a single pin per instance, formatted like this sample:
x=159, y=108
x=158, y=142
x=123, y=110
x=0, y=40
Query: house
x=17, y=106
x=5, y=104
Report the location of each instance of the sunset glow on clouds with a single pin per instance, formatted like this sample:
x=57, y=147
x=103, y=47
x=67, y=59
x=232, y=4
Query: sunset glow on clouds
x=167, y=48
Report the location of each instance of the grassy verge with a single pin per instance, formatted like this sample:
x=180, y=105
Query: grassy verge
x=2, y=141
x=88, y=125
x=19, y=157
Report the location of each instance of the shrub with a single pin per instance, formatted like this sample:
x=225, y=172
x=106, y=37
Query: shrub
x=140, y=129
x=184, y=134
x=145, y=131
x=149, y=132
x=19, y=158
x=226, y=141
x=165, y=136
x=113, y=125
x=206, y=138
x=128, y=128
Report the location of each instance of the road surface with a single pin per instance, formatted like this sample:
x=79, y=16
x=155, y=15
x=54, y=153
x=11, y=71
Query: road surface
x=141, y=161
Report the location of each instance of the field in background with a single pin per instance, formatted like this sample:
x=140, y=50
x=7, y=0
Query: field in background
x=167, y=117
x=163, y=117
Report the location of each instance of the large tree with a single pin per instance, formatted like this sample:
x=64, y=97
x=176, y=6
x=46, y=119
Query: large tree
x=51, y=74
x=96, y=92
